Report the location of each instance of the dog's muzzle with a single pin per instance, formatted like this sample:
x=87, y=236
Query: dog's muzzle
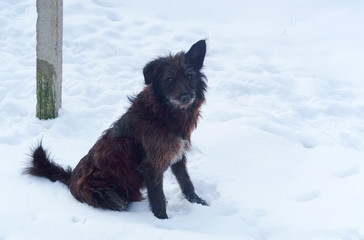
x=183, y=102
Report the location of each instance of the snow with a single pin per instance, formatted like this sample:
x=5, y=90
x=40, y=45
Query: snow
x=277, y=155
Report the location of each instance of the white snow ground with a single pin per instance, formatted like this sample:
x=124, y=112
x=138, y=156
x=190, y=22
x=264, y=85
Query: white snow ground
x=279, y=153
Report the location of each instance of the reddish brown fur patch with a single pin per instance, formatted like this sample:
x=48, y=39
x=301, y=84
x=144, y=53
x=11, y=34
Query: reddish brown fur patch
x=161, y=130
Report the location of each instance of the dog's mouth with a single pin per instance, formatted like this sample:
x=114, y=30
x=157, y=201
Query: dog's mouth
x=183, y=102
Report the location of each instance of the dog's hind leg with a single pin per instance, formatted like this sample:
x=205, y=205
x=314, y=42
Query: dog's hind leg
x=92, y=193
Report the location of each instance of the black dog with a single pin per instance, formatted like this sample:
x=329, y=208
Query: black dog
x=138, y=148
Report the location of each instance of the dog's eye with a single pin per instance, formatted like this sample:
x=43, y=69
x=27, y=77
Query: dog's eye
x=189, y=75
x=170, y=79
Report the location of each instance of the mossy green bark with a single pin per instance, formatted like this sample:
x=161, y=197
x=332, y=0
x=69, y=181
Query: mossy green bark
x=46, y=91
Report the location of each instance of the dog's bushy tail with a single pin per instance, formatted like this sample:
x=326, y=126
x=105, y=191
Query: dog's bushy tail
x=43, y=166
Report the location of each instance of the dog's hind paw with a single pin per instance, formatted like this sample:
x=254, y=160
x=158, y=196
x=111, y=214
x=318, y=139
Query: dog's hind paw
x=110, y=200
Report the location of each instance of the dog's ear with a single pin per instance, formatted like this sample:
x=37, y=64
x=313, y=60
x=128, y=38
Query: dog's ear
x=196, y=54
x=149, y=71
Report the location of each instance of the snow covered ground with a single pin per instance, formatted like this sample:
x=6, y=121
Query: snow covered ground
x=279, y=153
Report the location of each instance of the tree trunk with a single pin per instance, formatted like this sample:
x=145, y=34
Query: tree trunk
x=49, y=58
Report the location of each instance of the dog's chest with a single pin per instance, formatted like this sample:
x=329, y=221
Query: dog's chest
x=184, y=146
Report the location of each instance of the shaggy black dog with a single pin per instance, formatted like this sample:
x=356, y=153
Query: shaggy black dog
x=138, y=148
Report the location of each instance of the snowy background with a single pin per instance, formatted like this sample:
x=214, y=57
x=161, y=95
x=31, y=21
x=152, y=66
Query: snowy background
x=279, y=153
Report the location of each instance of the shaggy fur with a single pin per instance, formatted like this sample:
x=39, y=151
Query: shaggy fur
x=137, y=149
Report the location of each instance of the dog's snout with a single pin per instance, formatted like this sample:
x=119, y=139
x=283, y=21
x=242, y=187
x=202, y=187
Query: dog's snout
x=185, y=98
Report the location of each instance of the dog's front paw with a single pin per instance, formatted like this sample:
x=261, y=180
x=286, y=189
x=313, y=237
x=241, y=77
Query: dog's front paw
x=160, y=215
x=201, y=201
x=196, y=199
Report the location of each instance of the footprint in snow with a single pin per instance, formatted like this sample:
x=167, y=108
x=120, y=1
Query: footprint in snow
x=308, y=196
x=348, y=172
x=77, y=220
x=107, y=3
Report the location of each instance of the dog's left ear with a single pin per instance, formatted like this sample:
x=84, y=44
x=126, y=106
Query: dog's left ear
x=149, y=71
x=196, y=54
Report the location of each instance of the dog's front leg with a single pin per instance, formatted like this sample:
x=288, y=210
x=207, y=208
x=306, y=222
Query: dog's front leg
x=179, y=169
x=154, y=183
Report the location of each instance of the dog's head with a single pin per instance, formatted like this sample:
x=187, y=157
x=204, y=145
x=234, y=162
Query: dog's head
x=177, y=80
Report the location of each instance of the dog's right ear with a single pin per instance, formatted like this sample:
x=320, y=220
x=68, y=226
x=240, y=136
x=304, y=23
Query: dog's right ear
x=196, y=54
x=150, y=71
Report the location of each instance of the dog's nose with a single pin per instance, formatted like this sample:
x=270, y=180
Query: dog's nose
x=185, y=98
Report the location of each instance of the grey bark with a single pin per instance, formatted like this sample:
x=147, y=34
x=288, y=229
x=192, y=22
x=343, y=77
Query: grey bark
x=49, y=57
